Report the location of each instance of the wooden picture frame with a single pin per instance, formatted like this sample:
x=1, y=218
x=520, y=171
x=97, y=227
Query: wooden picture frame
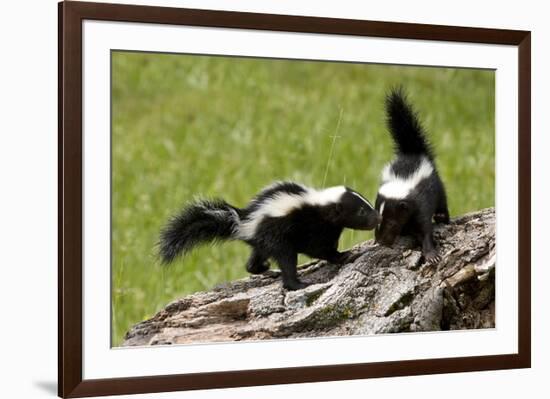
x=70, y=278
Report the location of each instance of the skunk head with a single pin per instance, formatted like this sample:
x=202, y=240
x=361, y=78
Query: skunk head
x=395, y=213
x=402, y=181
x=353, y=211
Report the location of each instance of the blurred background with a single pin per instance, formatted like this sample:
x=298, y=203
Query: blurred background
x=185, y=126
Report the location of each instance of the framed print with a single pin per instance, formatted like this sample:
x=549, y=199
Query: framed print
x=253, y=199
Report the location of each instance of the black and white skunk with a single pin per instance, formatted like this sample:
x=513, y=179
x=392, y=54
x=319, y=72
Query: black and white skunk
x=283, y=220
x=411, y=192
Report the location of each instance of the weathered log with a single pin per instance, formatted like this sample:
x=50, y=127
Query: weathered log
x=383, y=290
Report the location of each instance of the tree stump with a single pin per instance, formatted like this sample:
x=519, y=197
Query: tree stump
x=383, y=290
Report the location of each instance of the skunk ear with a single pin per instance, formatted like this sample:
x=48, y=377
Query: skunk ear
x=335, y=212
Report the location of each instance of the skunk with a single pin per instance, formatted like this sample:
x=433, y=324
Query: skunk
x=283, y=220
x=411, y=191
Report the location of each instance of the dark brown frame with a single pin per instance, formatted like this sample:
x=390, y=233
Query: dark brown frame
x=71, y=16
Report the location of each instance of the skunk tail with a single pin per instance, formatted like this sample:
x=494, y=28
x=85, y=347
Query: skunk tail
x=406, y=130
x=201, y=222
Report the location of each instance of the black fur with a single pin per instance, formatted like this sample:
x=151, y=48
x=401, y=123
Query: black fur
x=200, y=222
x=406, y=130
x=272, y=190
x=312, y=230
x=411, y=215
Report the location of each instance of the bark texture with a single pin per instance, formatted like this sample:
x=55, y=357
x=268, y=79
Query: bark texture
x=383, y=290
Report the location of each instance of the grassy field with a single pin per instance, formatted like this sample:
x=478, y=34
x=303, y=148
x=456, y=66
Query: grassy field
x=185, y=126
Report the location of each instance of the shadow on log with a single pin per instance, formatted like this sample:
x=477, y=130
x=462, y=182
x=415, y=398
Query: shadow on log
x=384, y=290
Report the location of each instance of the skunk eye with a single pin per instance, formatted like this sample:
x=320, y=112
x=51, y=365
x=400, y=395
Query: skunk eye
x=362, y=212
x=403, y=205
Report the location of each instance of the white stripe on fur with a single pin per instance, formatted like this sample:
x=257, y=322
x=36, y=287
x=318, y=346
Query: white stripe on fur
x=281, y=204
x=382, y=208
x=366, y=201
x=397, y=187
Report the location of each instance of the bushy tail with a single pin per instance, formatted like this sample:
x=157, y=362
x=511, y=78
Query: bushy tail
x=406, y=130
x=201, y=222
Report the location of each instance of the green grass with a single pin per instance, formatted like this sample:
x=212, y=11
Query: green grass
x=185, y=126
